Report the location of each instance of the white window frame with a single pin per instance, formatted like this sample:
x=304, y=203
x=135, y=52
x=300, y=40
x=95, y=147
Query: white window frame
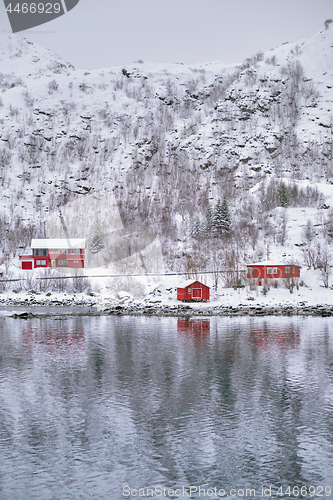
x=200, y=293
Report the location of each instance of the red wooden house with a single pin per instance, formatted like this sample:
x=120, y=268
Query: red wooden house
x=56, y=253
x=268, y=270
x=193, y=290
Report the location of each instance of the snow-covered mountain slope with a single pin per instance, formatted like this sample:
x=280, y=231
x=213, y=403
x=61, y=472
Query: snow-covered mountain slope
x=168, y=139
x=25, y=59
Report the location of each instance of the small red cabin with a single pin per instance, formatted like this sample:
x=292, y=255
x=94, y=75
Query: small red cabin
x=269, y=270
x=193, y=290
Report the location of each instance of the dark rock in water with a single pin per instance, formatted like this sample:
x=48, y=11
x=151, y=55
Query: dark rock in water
x=24, y=315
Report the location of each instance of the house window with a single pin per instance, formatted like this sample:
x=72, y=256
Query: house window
x=40, y=252
x=249, y=270
x=189, y=290
x=269, y=270
x=65, y=262
x=37, y=262
x=73, y=250
x=77, y=250
x=287, y=270
x=293, y=270
x=60, y=262
x=274, y=270
x=76, y=261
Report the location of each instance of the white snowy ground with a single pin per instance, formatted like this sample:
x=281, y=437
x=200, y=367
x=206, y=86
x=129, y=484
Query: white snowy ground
x=310, y=294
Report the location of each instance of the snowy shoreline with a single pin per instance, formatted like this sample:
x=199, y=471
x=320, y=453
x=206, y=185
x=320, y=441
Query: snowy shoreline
x=100, y=306
x=241, y=310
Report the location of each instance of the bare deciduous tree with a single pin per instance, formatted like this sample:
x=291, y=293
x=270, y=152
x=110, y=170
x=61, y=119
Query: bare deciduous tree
x=324, y=264
x=308, y=232
x=282, y=235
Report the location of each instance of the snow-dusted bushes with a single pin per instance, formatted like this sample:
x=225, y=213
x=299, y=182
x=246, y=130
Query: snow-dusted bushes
x=9, y=81
x=325, y=264
x=44, y=280
x=274, y=193
x=5, y=158
x=79, y=283
x=308, y=232
x=52, y=86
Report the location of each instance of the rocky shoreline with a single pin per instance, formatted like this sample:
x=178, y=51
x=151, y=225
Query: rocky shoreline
x=322, y=310
x=36, y=300
x=148, y=307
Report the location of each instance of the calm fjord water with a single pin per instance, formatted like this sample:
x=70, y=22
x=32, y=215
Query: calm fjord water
x=90, y=405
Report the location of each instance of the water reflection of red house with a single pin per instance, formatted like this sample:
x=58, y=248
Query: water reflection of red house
x=196, y=327
x=283, y=337
x=72, y=340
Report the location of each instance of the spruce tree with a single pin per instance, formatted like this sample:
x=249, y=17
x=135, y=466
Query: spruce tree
x=282, y=194
x=97, y=244
x=196, y=229
x=209, y=221
x=221, y=219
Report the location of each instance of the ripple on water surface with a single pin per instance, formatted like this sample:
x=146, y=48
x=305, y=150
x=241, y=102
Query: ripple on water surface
x=91, y=404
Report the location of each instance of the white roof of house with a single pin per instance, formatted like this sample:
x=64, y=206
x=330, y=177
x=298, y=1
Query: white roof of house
x=271, y=263
x=185, y=283
x=59, y=243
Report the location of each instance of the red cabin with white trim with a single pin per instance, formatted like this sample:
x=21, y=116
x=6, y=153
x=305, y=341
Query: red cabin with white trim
x=56, y=253
x=268, y=270
x=193, y=291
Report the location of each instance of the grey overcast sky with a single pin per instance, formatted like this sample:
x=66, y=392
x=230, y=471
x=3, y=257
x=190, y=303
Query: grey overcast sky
x=104, y=33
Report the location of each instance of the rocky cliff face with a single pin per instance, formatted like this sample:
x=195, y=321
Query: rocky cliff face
x=168, y=140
